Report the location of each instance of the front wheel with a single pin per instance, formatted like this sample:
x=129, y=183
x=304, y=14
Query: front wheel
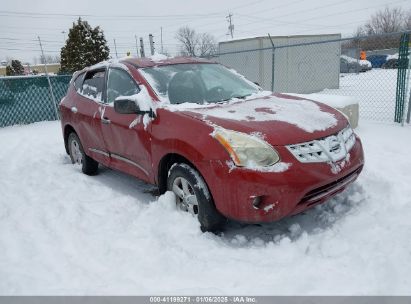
x=193, y=196
x=88, y=165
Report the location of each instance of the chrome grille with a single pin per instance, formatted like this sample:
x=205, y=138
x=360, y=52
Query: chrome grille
x=328, y=149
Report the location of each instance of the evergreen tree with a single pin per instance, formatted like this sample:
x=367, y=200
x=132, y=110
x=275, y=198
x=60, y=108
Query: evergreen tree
x=85, y=46
x=15, y=68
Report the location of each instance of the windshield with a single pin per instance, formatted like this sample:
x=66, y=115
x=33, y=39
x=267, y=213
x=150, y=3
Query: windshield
x=197, y=83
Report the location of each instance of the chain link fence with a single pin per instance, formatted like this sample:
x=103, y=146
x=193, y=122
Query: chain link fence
x=27, y=99
x=363, y=68
x=372, y=70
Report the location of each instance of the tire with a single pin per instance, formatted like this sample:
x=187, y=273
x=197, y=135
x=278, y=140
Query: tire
x=196, y=199
x=88, y=165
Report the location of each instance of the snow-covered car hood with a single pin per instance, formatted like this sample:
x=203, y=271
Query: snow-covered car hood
x=281, y=119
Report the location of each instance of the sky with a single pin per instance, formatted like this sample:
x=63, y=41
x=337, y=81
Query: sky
x=22, y=21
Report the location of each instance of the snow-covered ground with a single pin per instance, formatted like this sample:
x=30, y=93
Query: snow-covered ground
x=375, y=91
x=62, y=232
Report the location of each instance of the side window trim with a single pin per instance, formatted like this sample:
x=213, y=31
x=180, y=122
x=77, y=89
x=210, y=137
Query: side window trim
x=80, y=77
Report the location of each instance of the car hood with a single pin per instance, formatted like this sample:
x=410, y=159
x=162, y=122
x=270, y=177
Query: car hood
x=279, y=118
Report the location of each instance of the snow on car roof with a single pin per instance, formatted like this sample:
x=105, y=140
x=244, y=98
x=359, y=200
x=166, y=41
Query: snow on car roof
x=162, y=60
x=150, y=61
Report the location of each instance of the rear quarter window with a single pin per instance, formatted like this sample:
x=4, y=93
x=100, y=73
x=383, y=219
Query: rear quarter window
x=78, y=82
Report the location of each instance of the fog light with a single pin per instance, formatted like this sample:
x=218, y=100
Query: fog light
x=256, y=201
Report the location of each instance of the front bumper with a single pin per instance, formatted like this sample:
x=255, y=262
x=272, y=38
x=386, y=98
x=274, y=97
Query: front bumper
x=301, y=186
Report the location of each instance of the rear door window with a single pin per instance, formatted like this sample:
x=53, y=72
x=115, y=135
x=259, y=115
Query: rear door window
x=93, y=85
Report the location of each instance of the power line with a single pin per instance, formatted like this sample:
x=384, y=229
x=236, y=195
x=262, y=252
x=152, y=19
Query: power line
x=216, y=14
x=312, y=9
x=246, y=5
x=25, y=49
x=259, y=19
x=184, y=16
x=59, y=15
x=287, y=4
x=312, y=18
x=357, y=10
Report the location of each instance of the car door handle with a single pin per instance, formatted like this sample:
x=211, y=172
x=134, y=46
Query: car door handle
x=105, y=120
x=74, y=110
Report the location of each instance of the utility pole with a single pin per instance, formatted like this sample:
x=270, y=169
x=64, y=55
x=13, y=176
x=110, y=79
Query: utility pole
x=142, y=53
x=161, y=39
x=115, y=47
x=53, y=99
x=135, y=36
x=231, y=25
x=151, y=39
x=272, y=63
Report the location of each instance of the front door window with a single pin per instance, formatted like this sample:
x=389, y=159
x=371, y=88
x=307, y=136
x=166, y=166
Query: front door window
x=119, y=84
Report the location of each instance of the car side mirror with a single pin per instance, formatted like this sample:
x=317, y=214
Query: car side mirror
x=125, y=106
x=128, y=106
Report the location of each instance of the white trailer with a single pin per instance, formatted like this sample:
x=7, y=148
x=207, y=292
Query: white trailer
x=311, y=66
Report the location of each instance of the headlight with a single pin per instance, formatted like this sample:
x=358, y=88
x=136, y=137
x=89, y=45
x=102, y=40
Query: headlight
x=246, y=150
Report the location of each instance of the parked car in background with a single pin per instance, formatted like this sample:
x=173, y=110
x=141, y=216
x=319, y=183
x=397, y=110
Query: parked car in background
x=377, y=61
x=224, y=147
x=392, y=62
x=352, y=65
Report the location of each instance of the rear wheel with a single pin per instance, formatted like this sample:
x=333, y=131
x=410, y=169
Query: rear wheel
x=88, y=165
x=193, y=196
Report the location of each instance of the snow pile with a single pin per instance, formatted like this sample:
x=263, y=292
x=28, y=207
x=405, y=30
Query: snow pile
x=361, y=62
x=335, y=101
x=376, y=98
x=62, y=232
x=395, y=56
x=365, y=63
x=158, y=57
x=302, y=113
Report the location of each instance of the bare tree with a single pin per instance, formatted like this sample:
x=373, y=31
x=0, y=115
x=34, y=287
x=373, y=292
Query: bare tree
x=382, y=22
x=195, y=44
x=188, y=39
x=207, y=45
x=46, y=59
x=408, y=21
x=385, y=21
x=49, y=59
x=9, y=59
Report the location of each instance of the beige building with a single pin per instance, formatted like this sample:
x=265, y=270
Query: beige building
x=52, y=68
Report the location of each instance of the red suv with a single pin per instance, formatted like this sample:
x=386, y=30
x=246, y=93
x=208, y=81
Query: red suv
x=225, y=148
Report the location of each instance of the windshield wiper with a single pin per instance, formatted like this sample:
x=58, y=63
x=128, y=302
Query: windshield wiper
x=228, y=99
x=241, y=97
